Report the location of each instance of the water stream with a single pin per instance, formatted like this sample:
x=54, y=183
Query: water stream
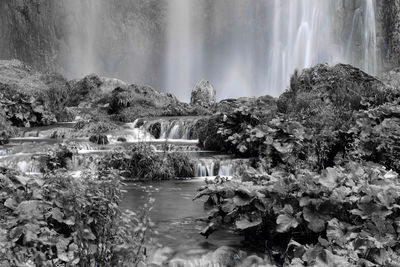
x=244, y=48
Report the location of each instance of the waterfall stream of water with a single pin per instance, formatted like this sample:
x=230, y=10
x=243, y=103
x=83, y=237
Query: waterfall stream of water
x=243, y=47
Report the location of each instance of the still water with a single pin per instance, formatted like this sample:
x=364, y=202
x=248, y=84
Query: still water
x=176, y=216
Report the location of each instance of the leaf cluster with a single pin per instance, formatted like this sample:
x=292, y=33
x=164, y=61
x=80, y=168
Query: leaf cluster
x=61, y=220
x=348, y=215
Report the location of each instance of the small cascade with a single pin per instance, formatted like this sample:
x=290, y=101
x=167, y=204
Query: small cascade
x=222, y=167
x=21, y=162
x=80, y=162
x=5, y=153
x=157, y=130
x=29, y=167
x=132, y=134
x=86, y=148
x=176, y=129
x=205, y=168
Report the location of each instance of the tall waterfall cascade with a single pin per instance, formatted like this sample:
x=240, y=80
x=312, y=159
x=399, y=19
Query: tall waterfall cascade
x=304, y=34
x=245, y=48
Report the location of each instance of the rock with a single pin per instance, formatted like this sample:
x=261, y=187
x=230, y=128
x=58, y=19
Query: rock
x=341, y=86
x=177, y=263
x=27, y=96
x=203, y=94
x=99, y=139
x=226, y=256
x=161, y=256
x=207, y=132
x=252, y=260
x=4, y=138
x=121, y=139
x=20, y=77
x=391, y=78
x=155, y=130
x=260, y=106
x=137, y=101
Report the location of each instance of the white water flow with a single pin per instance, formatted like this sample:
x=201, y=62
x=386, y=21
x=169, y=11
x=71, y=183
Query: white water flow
x=294, y=34
x=243, y=47
x=83, y=19
x=304, y=34
x=179, y=47
x=370, y=39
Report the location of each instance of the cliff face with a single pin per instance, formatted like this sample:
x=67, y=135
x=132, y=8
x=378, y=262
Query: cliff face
x=76, y=37
x=126, y=38
x=389, y=18
x=32, y=31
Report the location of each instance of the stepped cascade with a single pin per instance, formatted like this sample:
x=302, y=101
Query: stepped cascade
x=290, y=136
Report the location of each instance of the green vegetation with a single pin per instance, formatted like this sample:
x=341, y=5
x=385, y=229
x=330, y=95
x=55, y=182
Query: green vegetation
x=141, y=162
x=61, y=220
x=325, y=188
x=343, y=215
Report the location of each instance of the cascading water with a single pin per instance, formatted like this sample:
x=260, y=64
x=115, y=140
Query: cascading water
x=243, y=47
x=303, y=35
x=179, y=63
x=209, y=167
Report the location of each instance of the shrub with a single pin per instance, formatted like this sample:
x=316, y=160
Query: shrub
x=182, y=165
x=349, y=213
x=56, y=158
x=66, y=221
x=377, y=135
x=94, y=127
x=140, y=162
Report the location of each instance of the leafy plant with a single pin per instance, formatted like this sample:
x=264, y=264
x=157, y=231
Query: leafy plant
x=377, y=135
x=68, y=221
x=349, y=213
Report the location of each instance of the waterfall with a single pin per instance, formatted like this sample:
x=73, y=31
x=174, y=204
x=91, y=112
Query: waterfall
x=179, y=48
x=244, y=48
x=209, y=167
x=303, y=35
x=370, y=43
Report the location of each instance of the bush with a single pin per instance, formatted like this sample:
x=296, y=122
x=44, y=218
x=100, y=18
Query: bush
x=66, y=221
x=182, y=165
x=57, y=158
x=94, y=128
x=140, y=162
x=348, y=214
x=377, y=135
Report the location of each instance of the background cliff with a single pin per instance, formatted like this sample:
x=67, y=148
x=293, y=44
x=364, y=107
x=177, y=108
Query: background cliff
x=127, y=39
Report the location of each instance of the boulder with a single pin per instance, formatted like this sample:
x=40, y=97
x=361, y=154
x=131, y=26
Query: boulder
x=341, y=86
x=203, y=94
x=91, y=89
x=155, y=130
x=391, y=78
x=137, y=101
x=99, y=139
x=4, y=138
x=226, y=256
x=21, y=78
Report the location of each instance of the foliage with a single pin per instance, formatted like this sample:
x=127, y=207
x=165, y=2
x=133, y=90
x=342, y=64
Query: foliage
x=182, y=165
x=349, y=213
x=23, y=109
x=56, y=158
x=377, y=135
x=62, y=220
x=84, y=128
x=140, y=162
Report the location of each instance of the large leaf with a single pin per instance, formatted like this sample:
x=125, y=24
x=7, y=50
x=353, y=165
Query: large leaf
x=244, y=223
x=315, y=222
x=330, y=178
x=286, y=222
